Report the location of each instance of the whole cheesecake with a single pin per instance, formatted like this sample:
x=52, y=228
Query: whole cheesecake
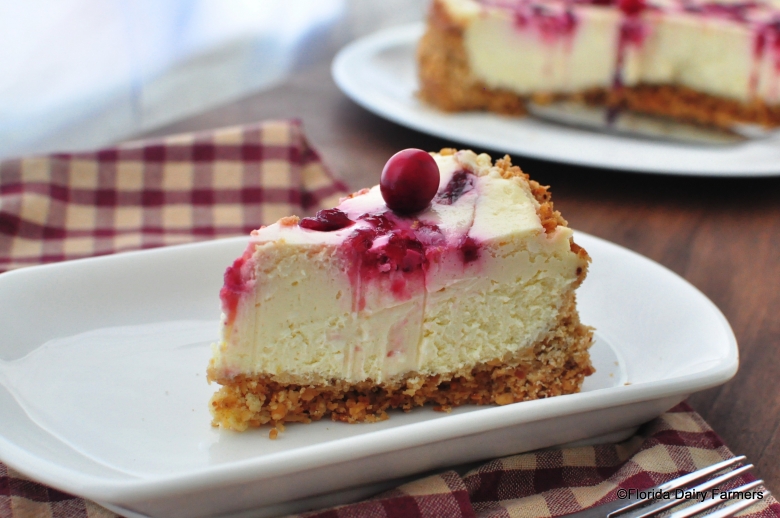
x=470, y=299
x=711, y=62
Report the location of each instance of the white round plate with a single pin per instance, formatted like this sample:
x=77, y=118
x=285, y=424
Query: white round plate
x=379, y=73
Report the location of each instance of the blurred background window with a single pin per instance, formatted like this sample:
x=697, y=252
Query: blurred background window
x=76, y=74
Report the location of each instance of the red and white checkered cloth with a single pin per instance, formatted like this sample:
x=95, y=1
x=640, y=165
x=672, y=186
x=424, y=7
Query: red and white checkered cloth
x=158, y=192
x=556, y=482
x=228, y=182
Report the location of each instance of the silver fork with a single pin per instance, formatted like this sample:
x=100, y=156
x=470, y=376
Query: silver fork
x=643, y=508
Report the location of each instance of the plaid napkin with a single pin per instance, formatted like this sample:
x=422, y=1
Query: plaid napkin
x=556, y=482
x=228, y=182
x=152, y=193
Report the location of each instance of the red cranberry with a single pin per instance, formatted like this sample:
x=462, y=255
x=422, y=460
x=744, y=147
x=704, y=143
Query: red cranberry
x=326, y=220
x=409, y=181
x=631, y=7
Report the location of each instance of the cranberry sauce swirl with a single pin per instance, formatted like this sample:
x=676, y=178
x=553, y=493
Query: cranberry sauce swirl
x=382, y=243
x=238, y=281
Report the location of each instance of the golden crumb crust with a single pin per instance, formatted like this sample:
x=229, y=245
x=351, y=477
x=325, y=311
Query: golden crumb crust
x=686, y=104
x=447, y=83
x=556, y=365
x=445, y=76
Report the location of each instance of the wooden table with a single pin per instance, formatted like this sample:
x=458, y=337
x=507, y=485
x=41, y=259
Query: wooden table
x=722, y=235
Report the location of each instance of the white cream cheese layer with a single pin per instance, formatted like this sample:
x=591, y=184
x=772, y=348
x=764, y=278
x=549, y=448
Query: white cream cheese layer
x=712, y=54
x=299, y=322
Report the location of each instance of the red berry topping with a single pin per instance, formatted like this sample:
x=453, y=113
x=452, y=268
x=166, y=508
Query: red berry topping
x=631, y=7
x=237, y=278
x=409, y=181
x=326, y=220
x=470, y=250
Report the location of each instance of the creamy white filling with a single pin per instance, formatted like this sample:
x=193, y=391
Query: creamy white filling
x=522, y=59
x=300, y=321
x=707, y=53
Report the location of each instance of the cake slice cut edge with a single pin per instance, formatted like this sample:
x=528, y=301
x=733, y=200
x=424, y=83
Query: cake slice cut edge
x=348, y=323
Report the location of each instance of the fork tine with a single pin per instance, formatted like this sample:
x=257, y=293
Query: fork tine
x=712, y=502
x=651, y=510
x=679, y=482
x=733, y=509
x=696, y=475
x=715, y=482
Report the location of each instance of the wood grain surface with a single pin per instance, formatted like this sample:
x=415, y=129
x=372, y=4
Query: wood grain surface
x=722, y=235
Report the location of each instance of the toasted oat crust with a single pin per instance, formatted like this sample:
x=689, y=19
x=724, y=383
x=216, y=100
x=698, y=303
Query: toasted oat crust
x=686, y=104
x=447, y=83
x=445, y=76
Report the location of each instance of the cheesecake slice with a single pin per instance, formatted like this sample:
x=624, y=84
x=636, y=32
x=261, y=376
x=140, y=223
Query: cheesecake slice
x=709, y=62
x=364, y=308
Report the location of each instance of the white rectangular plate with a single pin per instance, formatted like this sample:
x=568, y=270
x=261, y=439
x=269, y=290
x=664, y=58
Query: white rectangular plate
x=103, y=391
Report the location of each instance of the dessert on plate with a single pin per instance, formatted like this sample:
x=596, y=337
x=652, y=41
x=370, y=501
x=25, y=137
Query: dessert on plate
x=709, y=62
x=451, y=282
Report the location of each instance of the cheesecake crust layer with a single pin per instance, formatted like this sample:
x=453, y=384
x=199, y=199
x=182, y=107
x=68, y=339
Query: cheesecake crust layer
x=554, y=366
x=447, y=83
